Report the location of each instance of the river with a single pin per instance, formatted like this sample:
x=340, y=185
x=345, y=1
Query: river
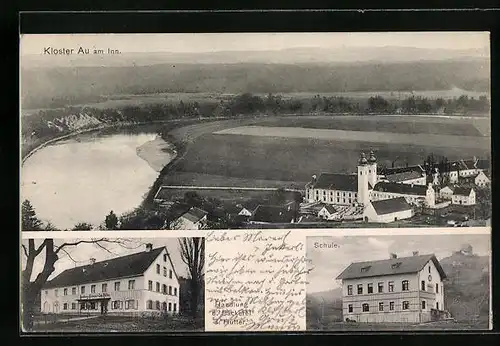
x=83, y=178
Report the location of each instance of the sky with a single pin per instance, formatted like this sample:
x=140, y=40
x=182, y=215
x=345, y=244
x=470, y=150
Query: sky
x=209, y=42
x=82, y=253
x=329, y=263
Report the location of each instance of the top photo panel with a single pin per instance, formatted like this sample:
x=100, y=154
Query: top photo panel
x=255, y=130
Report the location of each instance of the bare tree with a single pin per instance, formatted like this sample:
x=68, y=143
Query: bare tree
x=31, y=289
x=192, y=252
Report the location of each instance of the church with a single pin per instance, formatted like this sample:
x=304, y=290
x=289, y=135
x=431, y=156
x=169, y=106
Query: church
x=359, y=190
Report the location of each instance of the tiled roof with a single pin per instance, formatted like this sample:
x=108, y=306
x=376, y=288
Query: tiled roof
x=125, y=266
x=462, y=191
x=403, y=176
x=273, y=214
x=394, y=266
x=396, y=170
x=336, y=181
x=405, y=189
x=329, y=208
x=194, y=214
x=392, y=205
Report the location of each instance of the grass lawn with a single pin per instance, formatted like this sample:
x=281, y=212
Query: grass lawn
x=121, y=324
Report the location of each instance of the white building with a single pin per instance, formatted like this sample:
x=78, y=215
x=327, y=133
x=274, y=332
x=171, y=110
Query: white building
x=464, y=196
x=143, y=282
x=446, y=193
x=482, y=180
x=193, y=219
x=388, y=210
x=408, y=289
x=414, y=194
x=327, y=212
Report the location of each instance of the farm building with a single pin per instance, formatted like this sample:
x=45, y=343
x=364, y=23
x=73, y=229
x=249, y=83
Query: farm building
x=482, y=180
x=388, y=210
x=446, y=193
x=464, y=196
x=327, y=212
x=143, y=282
x=265, y=214
x=414, y=194
x=193, y=219
x=407, y=289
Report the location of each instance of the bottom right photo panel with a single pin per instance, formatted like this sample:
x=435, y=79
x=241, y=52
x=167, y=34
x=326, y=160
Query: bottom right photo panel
x=399, y=282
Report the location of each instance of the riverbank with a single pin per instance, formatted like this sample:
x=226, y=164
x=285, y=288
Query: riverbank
x=157, y=153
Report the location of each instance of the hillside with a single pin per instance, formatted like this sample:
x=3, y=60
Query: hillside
x=466, y=293
x=55, y=87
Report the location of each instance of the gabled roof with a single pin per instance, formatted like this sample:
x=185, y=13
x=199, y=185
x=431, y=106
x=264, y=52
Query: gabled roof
x=194, y=214
x=462, y=191
x=448, y=187
x=395, y=170
x=272, y=214
x=125, y=266
x=336, y=181
x=329, y=208
x=403, y=176
x=392, y=205
x=393, y=266
x=405, y=189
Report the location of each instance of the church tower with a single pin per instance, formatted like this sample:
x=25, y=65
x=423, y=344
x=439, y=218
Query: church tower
x=363, y=168
x=372, y=170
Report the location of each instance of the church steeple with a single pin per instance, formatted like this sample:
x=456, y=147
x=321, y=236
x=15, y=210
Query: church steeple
x=362, y=159
x=372, y=158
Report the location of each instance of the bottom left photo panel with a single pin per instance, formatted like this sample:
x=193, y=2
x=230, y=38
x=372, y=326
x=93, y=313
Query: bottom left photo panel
x=96, y=285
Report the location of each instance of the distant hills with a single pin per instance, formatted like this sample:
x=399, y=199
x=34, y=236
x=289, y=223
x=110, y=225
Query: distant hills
x=466, y=293
x=50, y=86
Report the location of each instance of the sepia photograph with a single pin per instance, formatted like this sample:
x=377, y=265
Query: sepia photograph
x=255, y=130
x=399, y=282
x=112, y=285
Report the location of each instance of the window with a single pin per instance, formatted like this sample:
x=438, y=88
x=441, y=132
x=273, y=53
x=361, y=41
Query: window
x=157, y=287
x=65, y=306
x=391, y=306
x=55, y=292
x=404, y=285
x=422, y=285
x=175, y=307
x=370, y=288
x=169, y=306
x=360, y=289
x=429, y=269
x=365, y=269
x=170, y=274
x=437, y=305
x=164, y=289
x=46, y=292
x=83, y=306
x=164, y=306
x=165, y=271
x=92, y=288
x=157, y=269
x=129, y=304
x=73, y=306
x=73, y=291
x=93, y=306
x=406, y=305
x=380, y=287
x=391, y=286
x=170, y=290
x=65, y=292
x=149, y=304
x=350, y=308
x=380, y=306
x=349, y=290
x=366, y=307
x=157, y=305
x=117, y=286
x=396, y=265
x=164, y=257
x=117, y=304
x=104, y=288
x=437, y=288
x=82, y=290
x=150, y=285
x=175, y=291
x=423, y=304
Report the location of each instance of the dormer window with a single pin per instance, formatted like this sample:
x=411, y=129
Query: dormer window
x=365, y=269
x=396, y=265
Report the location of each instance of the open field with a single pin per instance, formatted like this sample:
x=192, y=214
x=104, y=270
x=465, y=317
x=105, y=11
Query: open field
x=358, y=136
x=120, y=324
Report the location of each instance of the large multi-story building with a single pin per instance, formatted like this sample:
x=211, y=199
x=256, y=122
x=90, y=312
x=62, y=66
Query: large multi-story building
x=407, y=289
x=143, y=282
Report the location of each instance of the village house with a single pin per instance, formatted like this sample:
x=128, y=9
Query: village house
x=464, y=196
x=193, y=219
x=388, y=210
x=407, y=290
x=446, y=193
x=482, y=180
x=267, y=214
x=143, y=282
x=327, y=212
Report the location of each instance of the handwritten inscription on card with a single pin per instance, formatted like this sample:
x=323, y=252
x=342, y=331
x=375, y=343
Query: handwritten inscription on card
x=255, y=281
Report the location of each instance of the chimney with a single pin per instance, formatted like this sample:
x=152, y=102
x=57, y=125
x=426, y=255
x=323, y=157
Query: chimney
x=415, y=253
x=92, y=261
x=393, y=255
x=149, y=247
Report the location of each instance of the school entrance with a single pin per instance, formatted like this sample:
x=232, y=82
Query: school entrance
x=94, y=304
